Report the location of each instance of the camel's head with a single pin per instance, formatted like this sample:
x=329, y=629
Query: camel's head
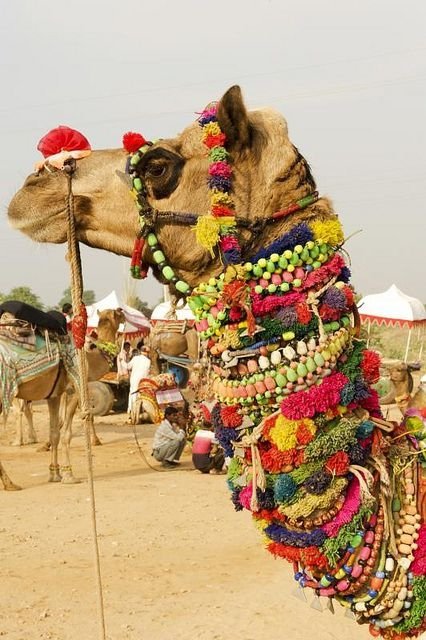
x=401, y=372
x=109, y=323
x=268, y=174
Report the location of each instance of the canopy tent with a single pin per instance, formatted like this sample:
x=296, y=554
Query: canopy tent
x=393, y=308
x=164, y=311
x=137, y=324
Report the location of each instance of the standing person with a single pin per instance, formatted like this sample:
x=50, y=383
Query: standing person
x=68, y=313
x=169, y=439
x=207, y=455
x=139, y=367
x=123, y=360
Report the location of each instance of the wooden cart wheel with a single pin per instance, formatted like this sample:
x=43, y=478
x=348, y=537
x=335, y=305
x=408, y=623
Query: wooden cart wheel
x=101, y=398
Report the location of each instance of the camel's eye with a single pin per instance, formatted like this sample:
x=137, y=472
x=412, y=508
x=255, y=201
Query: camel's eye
x=161, y=170
x=155, y=169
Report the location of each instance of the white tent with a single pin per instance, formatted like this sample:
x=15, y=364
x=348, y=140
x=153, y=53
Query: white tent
x=136, y=322
x=164, y=311
x=393, y=308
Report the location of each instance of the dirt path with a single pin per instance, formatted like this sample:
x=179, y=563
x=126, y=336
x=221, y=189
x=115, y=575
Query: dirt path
x=177, y=561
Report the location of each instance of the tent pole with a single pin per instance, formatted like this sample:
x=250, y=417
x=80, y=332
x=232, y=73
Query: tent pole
x=166, y=293
x=408, y=345
x=421, y=334
x=368, y=332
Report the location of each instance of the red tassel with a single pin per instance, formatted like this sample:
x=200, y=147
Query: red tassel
x=138, y=268
x=133, y=141
x=62, y=139
x=79, y=327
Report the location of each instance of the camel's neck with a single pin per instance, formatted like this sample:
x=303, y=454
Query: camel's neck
x=401, y=388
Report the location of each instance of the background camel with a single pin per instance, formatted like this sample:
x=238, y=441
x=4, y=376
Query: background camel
x=56, y=383
x=171, y=342
x=401, y=386
x=301, y=509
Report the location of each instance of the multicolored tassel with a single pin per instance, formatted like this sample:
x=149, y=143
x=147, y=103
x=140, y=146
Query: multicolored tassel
x=219, y=227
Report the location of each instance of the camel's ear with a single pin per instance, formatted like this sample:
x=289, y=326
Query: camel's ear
x=98, y=312
x=233, y=119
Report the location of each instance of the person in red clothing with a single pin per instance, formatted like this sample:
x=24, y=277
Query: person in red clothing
x=207, y=455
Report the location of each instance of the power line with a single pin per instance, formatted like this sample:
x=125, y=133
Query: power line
x=152, y=90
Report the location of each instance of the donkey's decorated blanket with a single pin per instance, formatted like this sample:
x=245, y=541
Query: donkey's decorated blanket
x=19, y=365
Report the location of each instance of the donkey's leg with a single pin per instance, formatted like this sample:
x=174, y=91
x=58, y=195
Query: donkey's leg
x=66, y=435
x=53, y=405
x=7, y=482
x=29, y=435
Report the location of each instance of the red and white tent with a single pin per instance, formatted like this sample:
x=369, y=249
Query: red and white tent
x=137, y=324
x=393, y=308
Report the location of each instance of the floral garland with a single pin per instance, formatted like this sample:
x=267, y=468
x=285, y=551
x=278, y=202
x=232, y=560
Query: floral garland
x=219, y=227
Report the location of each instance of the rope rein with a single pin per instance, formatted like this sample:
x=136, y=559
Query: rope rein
x=76, y=296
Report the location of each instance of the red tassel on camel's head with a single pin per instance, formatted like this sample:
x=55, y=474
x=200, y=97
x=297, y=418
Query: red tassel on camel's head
x=133, y=141
x=62, y=139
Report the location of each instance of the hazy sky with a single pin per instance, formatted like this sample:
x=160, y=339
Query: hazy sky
x=349, y=77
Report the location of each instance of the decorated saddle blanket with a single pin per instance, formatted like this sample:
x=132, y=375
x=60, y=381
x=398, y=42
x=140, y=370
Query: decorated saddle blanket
x=19, y=365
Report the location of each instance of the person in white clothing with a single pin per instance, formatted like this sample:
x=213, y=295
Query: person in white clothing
x=123, y=360
x=139, y=367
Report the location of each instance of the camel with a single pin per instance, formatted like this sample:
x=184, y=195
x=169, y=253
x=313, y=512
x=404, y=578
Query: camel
x=56, y=384
x=25, y=432
x=165, y=340
x=331, y=489
x=402, y=386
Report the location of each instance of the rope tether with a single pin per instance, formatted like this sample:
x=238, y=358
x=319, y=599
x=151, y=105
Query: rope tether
x=77, y=303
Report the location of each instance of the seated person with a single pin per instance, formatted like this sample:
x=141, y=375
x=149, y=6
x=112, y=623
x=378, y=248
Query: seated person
x=207, y=455
x=169, y=439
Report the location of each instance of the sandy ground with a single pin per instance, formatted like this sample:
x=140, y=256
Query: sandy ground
x=177, y=561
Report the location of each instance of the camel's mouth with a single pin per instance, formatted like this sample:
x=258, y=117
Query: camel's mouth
x=42, y=223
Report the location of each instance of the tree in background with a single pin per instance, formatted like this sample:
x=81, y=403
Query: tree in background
x=23, y=294
x=140, y=305
x=88, y=297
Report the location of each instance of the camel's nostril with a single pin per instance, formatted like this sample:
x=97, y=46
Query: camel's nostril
x=32, y=179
